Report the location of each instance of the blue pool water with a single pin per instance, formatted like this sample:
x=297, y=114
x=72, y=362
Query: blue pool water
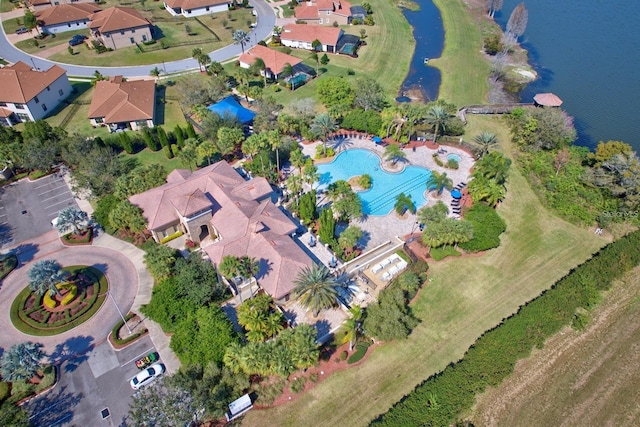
x=381, y=197
x=454, y=157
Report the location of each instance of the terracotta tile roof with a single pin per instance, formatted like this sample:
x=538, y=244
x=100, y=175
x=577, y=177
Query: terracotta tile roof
x=116, y=19
x=340, y=7
x=193, y=4
x=247, y=226
x=548, y=99
x=118, y=101
x=5, y=112
x=309, y=33
x=20, y=83
x=66, y=13
x=273, y=60
x=305, y=11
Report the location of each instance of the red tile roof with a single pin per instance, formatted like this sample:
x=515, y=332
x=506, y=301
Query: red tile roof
x=20, y=83
x=337, y=6
x=5, y=112
x=246, y=225
x=66, y=13
x=119, y=101
x=116, y=19
x=548, y=99
x=273, y=59
x=309, y=33
x=305, y=11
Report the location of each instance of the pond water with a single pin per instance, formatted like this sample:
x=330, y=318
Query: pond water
x=385, y=186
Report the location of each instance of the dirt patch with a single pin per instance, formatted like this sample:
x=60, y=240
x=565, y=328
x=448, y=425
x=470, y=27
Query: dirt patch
x=579, y=378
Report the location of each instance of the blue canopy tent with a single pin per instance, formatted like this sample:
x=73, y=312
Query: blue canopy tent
x=229, y=106
x=377, y=139
x=456, y=194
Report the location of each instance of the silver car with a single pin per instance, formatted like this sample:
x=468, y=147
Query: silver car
x=147, y=376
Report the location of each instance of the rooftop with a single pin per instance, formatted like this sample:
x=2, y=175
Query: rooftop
x=309, y=33
x=273, y=59
x=116, y=19
x=66, y=13
x=21, y=83
x=123, y=101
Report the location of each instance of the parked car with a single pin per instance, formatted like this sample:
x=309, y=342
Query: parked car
x=77, y=39
x=22, y=30
x=147, y=376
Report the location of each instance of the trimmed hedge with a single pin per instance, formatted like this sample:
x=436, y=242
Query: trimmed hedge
x=9, y=263
x=122, y=341
x=441, y=398
x=170, y=237
x=487, y=228
x=361, y=350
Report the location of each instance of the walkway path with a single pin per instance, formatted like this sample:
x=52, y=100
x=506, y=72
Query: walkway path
x=266, y=20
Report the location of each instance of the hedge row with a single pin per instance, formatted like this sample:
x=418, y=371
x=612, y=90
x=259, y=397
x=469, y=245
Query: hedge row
x=122, y=341
x=441, y=398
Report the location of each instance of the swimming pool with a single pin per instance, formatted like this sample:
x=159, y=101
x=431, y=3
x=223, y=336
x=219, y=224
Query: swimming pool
x=381, y=197
x=455, y=157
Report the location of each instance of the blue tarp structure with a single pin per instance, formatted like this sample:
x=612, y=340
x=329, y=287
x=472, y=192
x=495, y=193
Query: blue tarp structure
x=229, y=106
x=376, y=139
x=456, y=194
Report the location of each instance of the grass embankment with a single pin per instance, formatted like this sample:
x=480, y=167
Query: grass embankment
x=465, y=297
x=564, y=378
x=463, y=68
x=386, y=57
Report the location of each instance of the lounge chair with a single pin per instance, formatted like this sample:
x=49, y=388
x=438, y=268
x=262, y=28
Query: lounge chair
x=386, y=276
x=377, y=268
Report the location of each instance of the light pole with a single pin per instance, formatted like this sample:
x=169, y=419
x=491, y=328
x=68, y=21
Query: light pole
x=119, y=312
x=34, y=64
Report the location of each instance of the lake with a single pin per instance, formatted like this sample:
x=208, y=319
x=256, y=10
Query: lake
x=584, y=52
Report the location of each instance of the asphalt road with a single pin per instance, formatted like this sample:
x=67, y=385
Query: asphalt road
x=89, y=384
x=27, y=208
x=266, y=22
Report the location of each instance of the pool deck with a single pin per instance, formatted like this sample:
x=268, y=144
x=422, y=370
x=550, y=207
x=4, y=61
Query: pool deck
x=379, y=229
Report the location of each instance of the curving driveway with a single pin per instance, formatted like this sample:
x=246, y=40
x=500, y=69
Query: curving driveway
x=266, y=22
x=123, y=286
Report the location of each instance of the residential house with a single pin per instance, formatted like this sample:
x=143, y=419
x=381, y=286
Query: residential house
x=324, y=12
x=29, y=94
x=65, y=17
x=302, y=36
x=38, y=5
x=189, y=8
x=119, y=27
x=274, y=60
x=227, y=215
x=121, y=104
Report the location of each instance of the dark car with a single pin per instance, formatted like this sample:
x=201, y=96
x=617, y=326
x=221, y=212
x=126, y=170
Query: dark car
x=22, y=30
x=77, y=39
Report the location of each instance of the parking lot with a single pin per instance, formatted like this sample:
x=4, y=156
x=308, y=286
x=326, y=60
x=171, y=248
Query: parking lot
x=27, y=208
x=87, y=383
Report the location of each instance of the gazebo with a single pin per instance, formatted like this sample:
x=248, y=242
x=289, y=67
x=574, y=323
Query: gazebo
x=547, y=100
x=229, y=106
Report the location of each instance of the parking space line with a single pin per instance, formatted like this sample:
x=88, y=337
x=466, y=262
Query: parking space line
x=138, y=357
x=59, y=203
x=53, y=197
x=49, y=182
x=53, y=189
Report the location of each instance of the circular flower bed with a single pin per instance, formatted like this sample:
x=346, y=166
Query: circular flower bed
x=79, y=299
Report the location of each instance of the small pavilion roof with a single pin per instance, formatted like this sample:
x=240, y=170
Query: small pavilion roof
x=547, y=100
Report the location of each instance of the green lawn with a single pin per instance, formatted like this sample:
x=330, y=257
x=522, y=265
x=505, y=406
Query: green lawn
x=464, y=297
x=208, y=33
x=49, y=42
x=6, y=6
x=147, y=157
x=463, y=68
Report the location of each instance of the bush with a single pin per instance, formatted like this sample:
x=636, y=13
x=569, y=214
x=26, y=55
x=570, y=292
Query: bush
x=493, y=44
x=364, y=181
x=343, y=355
x=361, y=350
x=487, y=228
x=313, y=377
x=268, y=392
x=9, y=263
x=5, y=391
x=167, y=152
x=122, y=341
x=442, y=252
x=73, y=291
x=436, y=158
x=48, y=301
x=452, y=164
x=297, y=385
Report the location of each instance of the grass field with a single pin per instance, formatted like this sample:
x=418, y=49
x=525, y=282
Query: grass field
x=579, y=378
x=463, y=298
x=464, y=70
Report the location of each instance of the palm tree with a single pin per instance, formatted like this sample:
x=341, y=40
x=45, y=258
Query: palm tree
x=485, y=140
x=215, y=68
x=393, y=153
x=249, y=267
x=275, y=140
x=287, y=70
x=203, y=60
x=404, y=203
x=316, y=288
x=438, y=182
x=437, y=117
x=196, y=53
x=314, y=56
x=21, y=361
x=230, y=266
x=352, y=325
x=241, y=37
x=261, y=68
x=483, y=189
x=44, y=276
x=72, y=218
x=436, y=213
x=323, y=126
x=493, y=166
